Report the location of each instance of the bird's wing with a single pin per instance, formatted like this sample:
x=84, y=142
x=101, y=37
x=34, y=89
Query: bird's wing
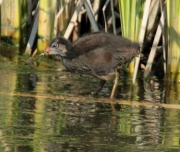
x=100, y=61
x=98, y=57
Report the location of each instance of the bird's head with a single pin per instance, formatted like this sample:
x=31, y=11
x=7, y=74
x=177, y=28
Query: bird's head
x=58, y=46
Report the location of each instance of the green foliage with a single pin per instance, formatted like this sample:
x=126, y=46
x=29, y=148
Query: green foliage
x=173, y=31
x=131, y=13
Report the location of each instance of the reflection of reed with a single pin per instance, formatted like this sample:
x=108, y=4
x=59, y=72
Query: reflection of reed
x=144, y=120
x=152, y=118
x=147, y=127
x=98, y=100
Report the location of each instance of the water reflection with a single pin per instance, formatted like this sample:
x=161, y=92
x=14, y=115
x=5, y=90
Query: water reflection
x=33, y=117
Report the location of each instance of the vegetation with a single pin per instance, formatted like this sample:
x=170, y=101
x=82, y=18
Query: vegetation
x=32, y=24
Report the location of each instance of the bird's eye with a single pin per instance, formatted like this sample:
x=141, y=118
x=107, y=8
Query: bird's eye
x=55, y=45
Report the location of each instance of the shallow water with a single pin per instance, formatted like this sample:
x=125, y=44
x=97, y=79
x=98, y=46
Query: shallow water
x=45, y=108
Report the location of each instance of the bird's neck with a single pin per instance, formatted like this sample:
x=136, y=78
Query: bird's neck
x=69, y=64
x=71, y=52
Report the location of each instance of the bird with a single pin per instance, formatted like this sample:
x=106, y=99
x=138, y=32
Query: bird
x=97, y=54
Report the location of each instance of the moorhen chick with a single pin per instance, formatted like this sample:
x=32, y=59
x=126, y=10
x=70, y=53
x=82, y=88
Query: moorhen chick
x=97, y=54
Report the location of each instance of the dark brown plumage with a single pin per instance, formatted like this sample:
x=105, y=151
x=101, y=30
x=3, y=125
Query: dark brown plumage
x=98, y=54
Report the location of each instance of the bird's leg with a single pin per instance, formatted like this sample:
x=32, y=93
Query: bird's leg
x=115, y=84
x=101, y=84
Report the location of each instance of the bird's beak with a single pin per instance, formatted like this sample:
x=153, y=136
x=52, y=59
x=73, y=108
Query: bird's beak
x=46, y=52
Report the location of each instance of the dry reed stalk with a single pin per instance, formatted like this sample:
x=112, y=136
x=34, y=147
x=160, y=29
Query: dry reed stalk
x=96, y=7
x=91, y=16
x=33, y=33
x=104, y=15
x=163, y=37
x=154, y=46
x=97, y=100
x=57, y=18
x=73, y=19
x=113, y=17
x=141, y=38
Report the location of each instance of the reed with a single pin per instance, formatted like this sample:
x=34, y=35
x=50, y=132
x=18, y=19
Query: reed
x=173, y=32
x=0, y=20
x=157, y=37
x=23, y=25
x=131, y=13
x=64, y=19
x=172, y=98
x=141, y=37
x=46, y=23
x=73, y=19
x=11, y=20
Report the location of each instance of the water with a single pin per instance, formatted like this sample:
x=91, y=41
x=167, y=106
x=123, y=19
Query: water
x=45, y=108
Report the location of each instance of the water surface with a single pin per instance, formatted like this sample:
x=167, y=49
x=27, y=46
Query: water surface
x=45, y=108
